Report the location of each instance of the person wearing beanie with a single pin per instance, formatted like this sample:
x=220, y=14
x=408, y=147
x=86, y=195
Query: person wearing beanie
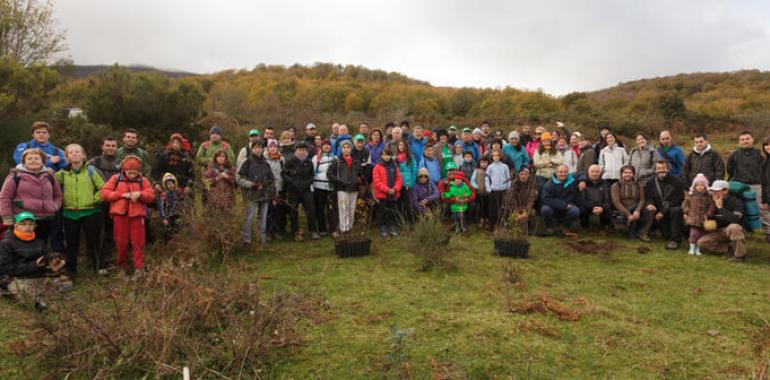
x=255, y=177
x=458, y=193
x=698, y=207
x=129, y=193
x=425, y=193
x=516, y=152
x=546, y=158
x=361, y=154
x=172, y=204
x=24, y=262
x=346, y=175
x=205, y=155
x=324, y=197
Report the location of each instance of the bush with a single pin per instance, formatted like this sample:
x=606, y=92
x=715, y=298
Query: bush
x=176, y=317
x=429, y=241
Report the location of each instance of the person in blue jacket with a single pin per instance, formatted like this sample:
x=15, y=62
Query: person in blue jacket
x=41, y=135
x=429, y=162
x=469, y=145
x=671, y=153
x=341, y=136
x=558, y=201
x=516, y=152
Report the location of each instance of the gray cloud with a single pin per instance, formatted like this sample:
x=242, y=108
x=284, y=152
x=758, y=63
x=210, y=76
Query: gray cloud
x=559, y=46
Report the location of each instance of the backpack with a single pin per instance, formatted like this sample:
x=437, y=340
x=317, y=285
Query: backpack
x=90, y=169
x=17, y=179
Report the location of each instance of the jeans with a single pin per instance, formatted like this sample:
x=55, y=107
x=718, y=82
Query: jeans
x=251, y=208
x=566, y=216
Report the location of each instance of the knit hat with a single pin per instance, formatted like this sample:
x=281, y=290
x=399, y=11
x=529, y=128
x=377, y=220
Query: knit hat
x=24, y=215
x=326, y=142
x=423, y=171
x=176, y=136
x=450, y=166
x=700, y=178
x=513, y=136
x=477, y=130
x=215, y=130
x=524, y=169
x=254, y=132
x=360, y=136
x=546, y=136
x=272, y=142
x=168, y=177
x=346, y=142
x=459, y=175
x=131, y=162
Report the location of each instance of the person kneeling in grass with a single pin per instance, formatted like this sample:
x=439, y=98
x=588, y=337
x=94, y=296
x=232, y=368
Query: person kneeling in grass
x=24, y=262
x=558, y=201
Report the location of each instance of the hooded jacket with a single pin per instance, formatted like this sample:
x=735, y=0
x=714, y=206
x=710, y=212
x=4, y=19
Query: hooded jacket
x=455, y=192
x=427, y=191
x=255, y=170
x=643, y=160
x=518, y=155
x=221, y=190
x=81, y=188
x=557, y=194
x=708, y=162
x=697, y=208
x=380, y=181
x=119, y=184
x=344, y=177
x=443, y=187
x=23, y=190
x=612, y=158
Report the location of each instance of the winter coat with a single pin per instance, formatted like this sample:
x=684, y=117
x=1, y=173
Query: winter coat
x=612, y=158
x=498, y=177
x=627, y=196
x=479, y=181
x=766, y=181
x=675, y=157
x=221, y=191
x=321, y=166
x=375, y=151
x=364, y=158
x=595, y=194
x=106, y=165
x=467, y=168
x=443, y=187
x=697, y=208
x=408, y=173
x=205, y=155
x=119, y=184
x=558, y=195
x=18, y=257
x=344, y=177
x=546, y=163
x=434, y=168
x=671, y=193
x=521, y=196
x=745, y=165
x=23, y=190
x=256, y=171
x=276, y=165
x=731, y=212
x=643, y=160
x=708, y=162
x=427, y=192
x=518, y=155
x=179, y=163
x=417, y=146
x=457, y=192
x=532, y=147
x=49, y=149
x=298, y=174
x=380, y=181
x=80, y=188
x=587, y=158
x=337, y=145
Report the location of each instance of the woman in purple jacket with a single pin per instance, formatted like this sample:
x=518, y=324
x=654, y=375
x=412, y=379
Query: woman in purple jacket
x=424, y=194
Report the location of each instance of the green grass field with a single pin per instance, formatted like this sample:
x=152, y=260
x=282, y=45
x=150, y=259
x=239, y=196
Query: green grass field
x=645, y=315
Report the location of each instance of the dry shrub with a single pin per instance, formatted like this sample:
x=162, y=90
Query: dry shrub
x=545, y=304
x=173, y=318
x=217, y=233
x=429, y=241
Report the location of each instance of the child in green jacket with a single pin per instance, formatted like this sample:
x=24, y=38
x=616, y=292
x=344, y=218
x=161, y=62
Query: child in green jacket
x=460, y=191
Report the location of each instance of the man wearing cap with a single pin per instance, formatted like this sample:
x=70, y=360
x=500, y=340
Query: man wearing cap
x=362, y=155
x=730, y=237
x=452, y=134
x=24, y=261
x=243, y=154
x=309, y=138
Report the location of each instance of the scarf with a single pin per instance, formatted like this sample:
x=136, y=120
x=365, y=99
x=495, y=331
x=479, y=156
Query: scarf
x=24, y=236
x=301, y=157
x=274, y=156
x=401, y=157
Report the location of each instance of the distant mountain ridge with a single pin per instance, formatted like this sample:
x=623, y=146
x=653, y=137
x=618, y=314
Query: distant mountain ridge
x=83, y=71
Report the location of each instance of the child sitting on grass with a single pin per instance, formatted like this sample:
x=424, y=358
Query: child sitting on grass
x=461, y=193
x=698, y=207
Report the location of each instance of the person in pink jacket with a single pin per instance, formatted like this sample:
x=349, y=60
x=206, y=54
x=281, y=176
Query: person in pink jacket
x=31, y=187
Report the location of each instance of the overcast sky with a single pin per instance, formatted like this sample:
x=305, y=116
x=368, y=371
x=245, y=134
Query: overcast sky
x=558, y=46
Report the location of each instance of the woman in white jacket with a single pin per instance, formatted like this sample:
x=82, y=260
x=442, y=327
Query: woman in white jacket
x=324, y=196
x=611, y=158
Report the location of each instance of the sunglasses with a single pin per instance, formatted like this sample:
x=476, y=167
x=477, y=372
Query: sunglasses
x=422, y=176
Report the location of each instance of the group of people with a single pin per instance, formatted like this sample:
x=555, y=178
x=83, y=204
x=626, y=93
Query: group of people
x=473, y=177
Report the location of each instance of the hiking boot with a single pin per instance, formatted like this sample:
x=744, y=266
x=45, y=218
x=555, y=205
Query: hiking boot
x=691, y=252
x=697, y=251
x=644, y=238
x=315, y=236
x=736, y=259
x=672, y=245
x=102, y=272
x=298, y=237
x=384, y=235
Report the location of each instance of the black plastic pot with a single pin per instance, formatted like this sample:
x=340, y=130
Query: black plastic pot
x=512, y=248
x=353, y=248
